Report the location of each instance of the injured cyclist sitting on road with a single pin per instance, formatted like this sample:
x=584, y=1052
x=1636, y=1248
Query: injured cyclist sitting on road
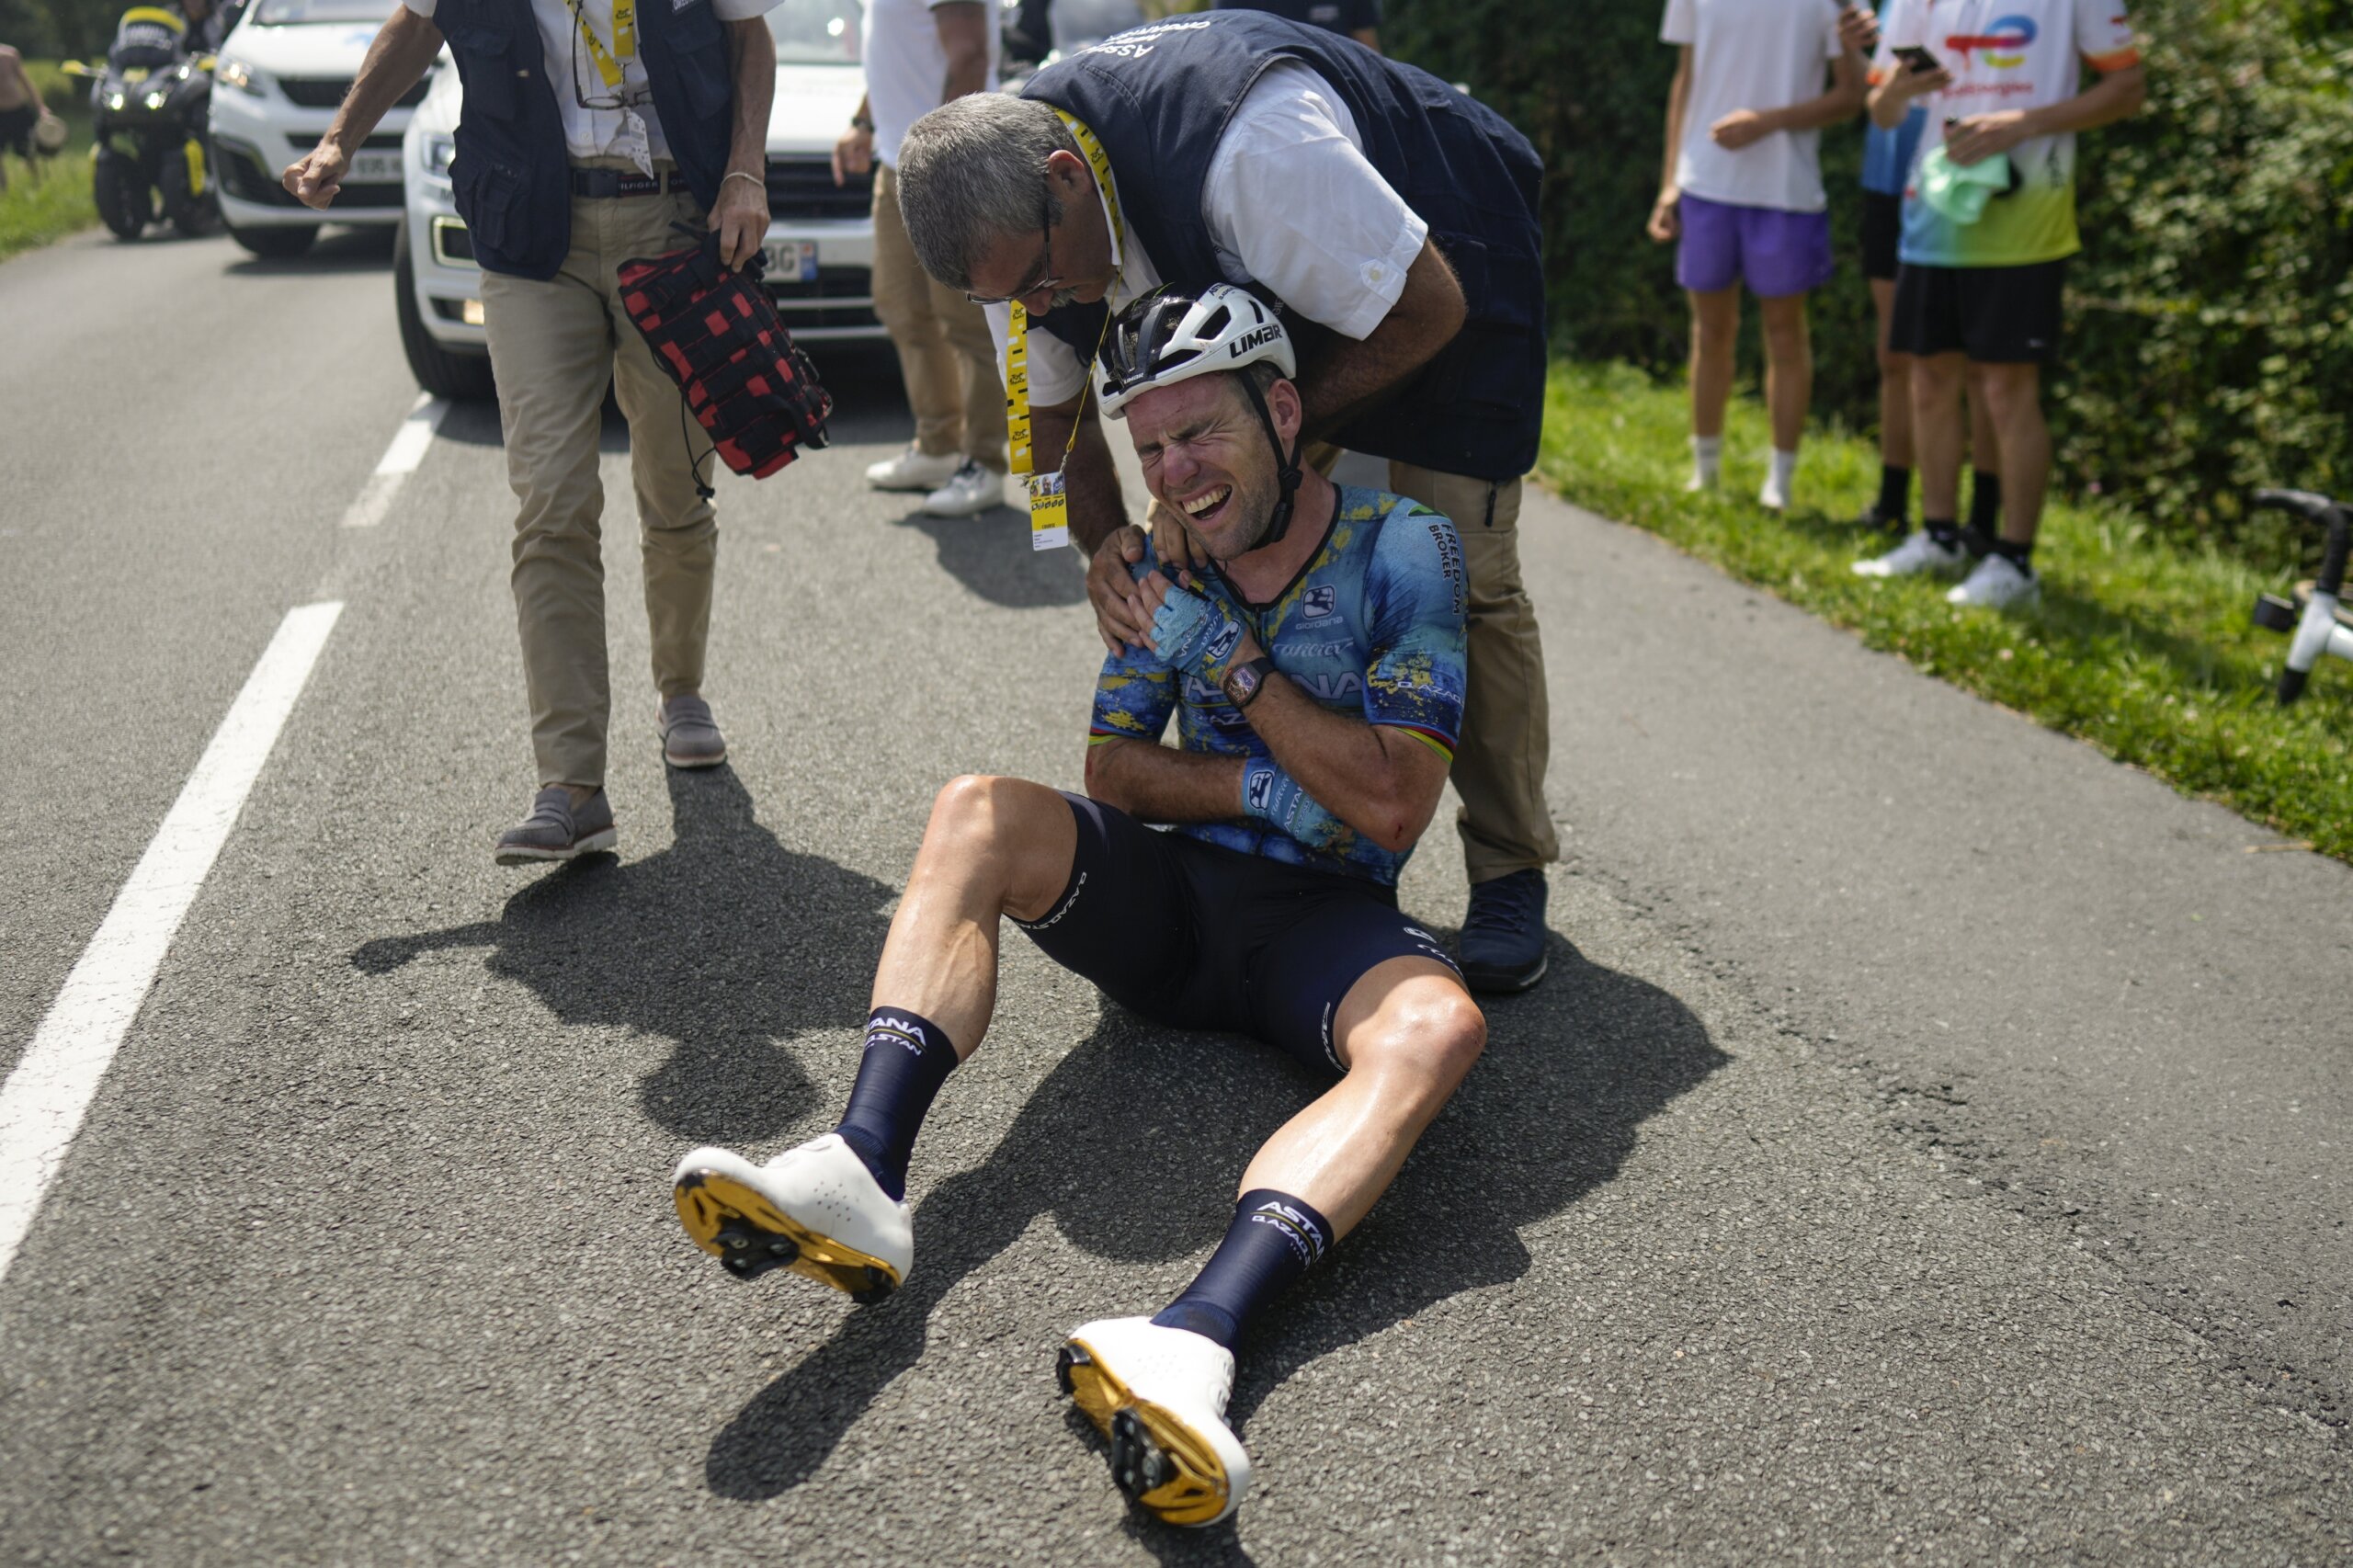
x=1315, y=672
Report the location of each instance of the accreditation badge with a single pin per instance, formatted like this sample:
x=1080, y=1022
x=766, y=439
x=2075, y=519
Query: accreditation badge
x=1048, y=512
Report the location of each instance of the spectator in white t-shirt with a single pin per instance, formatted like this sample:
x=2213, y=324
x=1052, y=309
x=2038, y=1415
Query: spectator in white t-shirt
x=1741, y=192
x=919, y=54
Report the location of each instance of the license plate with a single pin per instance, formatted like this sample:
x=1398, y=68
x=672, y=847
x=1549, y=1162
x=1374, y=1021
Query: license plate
x=375, y=168
x=792, y=261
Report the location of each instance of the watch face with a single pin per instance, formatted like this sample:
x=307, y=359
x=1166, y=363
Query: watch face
x=1240, y=684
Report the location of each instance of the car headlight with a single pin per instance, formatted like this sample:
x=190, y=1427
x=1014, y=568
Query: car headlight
x=243, y=77
x=440, y=153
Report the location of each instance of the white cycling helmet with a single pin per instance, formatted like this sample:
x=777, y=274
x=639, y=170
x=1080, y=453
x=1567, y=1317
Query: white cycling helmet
x=1166, y=338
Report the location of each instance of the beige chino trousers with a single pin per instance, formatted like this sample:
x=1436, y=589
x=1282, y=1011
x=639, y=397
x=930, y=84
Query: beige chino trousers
x=946, y=355
x=1506, y=740
x=554, y=345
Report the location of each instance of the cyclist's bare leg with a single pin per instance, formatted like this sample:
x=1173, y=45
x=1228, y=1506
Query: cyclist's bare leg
x=994, y=847
x=1408, y=1032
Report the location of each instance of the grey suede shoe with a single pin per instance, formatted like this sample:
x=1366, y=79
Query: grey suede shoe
x=691, y=736
x=554, y=830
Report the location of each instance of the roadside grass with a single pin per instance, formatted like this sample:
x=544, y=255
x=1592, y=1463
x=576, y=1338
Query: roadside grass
x=32, y=215
x=2141, y=646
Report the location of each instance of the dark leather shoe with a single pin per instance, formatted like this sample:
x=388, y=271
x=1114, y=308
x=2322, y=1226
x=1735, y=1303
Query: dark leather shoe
x=691, y=736
x=1503, y=945
x=557, y=831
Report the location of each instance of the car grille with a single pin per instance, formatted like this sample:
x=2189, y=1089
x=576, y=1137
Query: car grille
x=805, y=188
x=328, y=92
x=839, y=301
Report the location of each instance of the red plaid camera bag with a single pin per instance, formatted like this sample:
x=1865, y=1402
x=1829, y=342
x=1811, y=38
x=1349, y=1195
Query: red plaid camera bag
x=718, y=336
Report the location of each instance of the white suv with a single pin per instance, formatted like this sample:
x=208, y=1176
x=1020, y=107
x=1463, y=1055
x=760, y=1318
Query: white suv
x=281, y=76
x=820, y=241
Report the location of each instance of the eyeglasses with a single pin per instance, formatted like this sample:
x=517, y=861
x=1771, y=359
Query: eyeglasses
x=1045, y=264
x=624, y=100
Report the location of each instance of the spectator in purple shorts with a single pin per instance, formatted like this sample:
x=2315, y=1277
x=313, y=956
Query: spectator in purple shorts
x=1742, y=191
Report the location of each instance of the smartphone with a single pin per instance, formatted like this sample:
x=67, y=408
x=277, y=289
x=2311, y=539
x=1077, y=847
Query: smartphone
x=1917, y=59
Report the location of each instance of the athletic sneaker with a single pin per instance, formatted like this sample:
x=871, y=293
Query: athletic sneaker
x=1772, y=494
x=970, y=490
x=691, y=736
x=815, y=1210
x=1918, y=553
x=556, y=829
x=911, y=469
x=1159, y=1395
x=1997, y=583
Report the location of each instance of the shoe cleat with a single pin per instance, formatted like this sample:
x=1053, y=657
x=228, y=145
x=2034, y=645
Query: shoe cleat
x=1158, y=1396
x=815, y=1211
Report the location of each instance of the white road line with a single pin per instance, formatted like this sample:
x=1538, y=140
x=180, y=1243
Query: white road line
x=43, y=1101
x=410, y=443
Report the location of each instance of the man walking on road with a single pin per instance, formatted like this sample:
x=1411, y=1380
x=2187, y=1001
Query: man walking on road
x=592, y=131
x=919, y=54
x=1741, y=195
x=1270, y=909
x=1989, y=222
x=1393, y=216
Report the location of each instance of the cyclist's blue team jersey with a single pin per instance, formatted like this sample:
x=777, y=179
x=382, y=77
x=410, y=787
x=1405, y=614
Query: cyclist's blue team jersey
x=1372, y=629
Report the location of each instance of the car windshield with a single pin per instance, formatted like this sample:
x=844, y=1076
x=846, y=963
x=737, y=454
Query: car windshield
x=294, y=13
x=816, y=32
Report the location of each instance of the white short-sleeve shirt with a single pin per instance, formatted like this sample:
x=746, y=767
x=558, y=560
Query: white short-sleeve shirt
x=1291, y=202
x=1752, y=55
x=906, y=66
x=603, y=132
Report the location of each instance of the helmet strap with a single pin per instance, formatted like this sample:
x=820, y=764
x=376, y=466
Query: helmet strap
x=1287, y=473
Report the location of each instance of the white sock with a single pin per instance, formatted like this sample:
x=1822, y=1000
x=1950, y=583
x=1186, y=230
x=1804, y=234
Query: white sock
x=1785, y=469
x=1707, y=459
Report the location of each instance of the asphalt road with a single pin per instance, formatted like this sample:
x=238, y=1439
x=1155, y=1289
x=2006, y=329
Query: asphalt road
x=1928, y=1147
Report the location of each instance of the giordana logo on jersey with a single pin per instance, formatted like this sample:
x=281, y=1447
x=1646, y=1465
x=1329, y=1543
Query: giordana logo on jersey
x=1319, y=601
x=2003, y=44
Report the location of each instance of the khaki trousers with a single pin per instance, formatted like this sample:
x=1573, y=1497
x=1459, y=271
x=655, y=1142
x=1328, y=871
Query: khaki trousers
x=945, y=355
x=552, y=347
x=1506, y=740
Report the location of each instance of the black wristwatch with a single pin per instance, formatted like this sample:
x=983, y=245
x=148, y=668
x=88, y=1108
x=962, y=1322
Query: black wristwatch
x=1242, y=683
x=860, y=122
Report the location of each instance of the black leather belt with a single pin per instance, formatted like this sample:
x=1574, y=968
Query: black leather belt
x=621, y=182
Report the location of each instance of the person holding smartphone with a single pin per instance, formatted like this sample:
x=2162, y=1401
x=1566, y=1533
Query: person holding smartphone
x=1742, y=196
x=1978, y=299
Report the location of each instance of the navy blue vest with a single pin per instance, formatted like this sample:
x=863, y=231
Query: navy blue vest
x=1159, y=97
x=512, y=178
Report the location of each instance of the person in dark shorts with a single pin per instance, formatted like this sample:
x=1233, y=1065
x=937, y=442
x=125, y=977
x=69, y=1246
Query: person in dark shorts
x=1315, y=670
x=1989, y=222
x=1360, y=20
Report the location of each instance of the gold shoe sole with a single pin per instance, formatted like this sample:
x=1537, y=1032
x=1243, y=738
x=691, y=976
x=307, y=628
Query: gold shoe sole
x=751, y=1235
x=1156, y=1458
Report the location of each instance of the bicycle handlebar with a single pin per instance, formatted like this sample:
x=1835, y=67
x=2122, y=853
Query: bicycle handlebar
x=2322, y=512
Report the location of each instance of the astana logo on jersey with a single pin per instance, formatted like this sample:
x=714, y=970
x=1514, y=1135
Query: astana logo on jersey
x=2003, y=44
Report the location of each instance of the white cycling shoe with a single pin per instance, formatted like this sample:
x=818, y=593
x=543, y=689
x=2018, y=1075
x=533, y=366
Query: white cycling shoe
x=815, y=1210
x=1159, y=1395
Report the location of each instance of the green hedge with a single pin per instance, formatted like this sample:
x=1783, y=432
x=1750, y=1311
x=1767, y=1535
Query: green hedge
x=2211, y=348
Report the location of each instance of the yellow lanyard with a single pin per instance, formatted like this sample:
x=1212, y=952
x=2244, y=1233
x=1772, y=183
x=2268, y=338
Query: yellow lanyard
x=1049, y=505
x=624, y=39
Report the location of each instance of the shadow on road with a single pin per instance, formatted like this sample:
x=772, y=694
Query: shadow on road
x=991, y=556
x=725, y=943
x=1135, y=1141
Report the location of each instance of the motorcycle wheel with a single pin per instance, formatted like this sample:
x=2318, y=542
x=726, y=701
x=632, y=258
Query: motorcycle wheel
x=275, y=244
x=126, y=205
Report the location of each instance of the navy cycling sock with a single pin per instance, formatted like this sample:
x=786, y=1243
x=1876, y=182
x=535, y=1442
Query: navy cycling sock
x=1945, y=533
x=907, y=1058
x=2018, y=555
x=1273, y=1240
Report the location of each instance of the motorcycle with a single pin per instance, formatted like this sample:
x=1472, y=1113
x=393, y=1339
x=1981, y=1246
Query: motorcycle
x=148, y=108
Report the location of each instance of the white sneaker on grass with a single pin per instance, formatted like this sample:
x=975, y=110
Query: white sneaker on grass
x=970, y=489
x=816, y=1211
x=911, y=469
x=1159, y=1395
x=1997, y=583
x=1918, y=553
